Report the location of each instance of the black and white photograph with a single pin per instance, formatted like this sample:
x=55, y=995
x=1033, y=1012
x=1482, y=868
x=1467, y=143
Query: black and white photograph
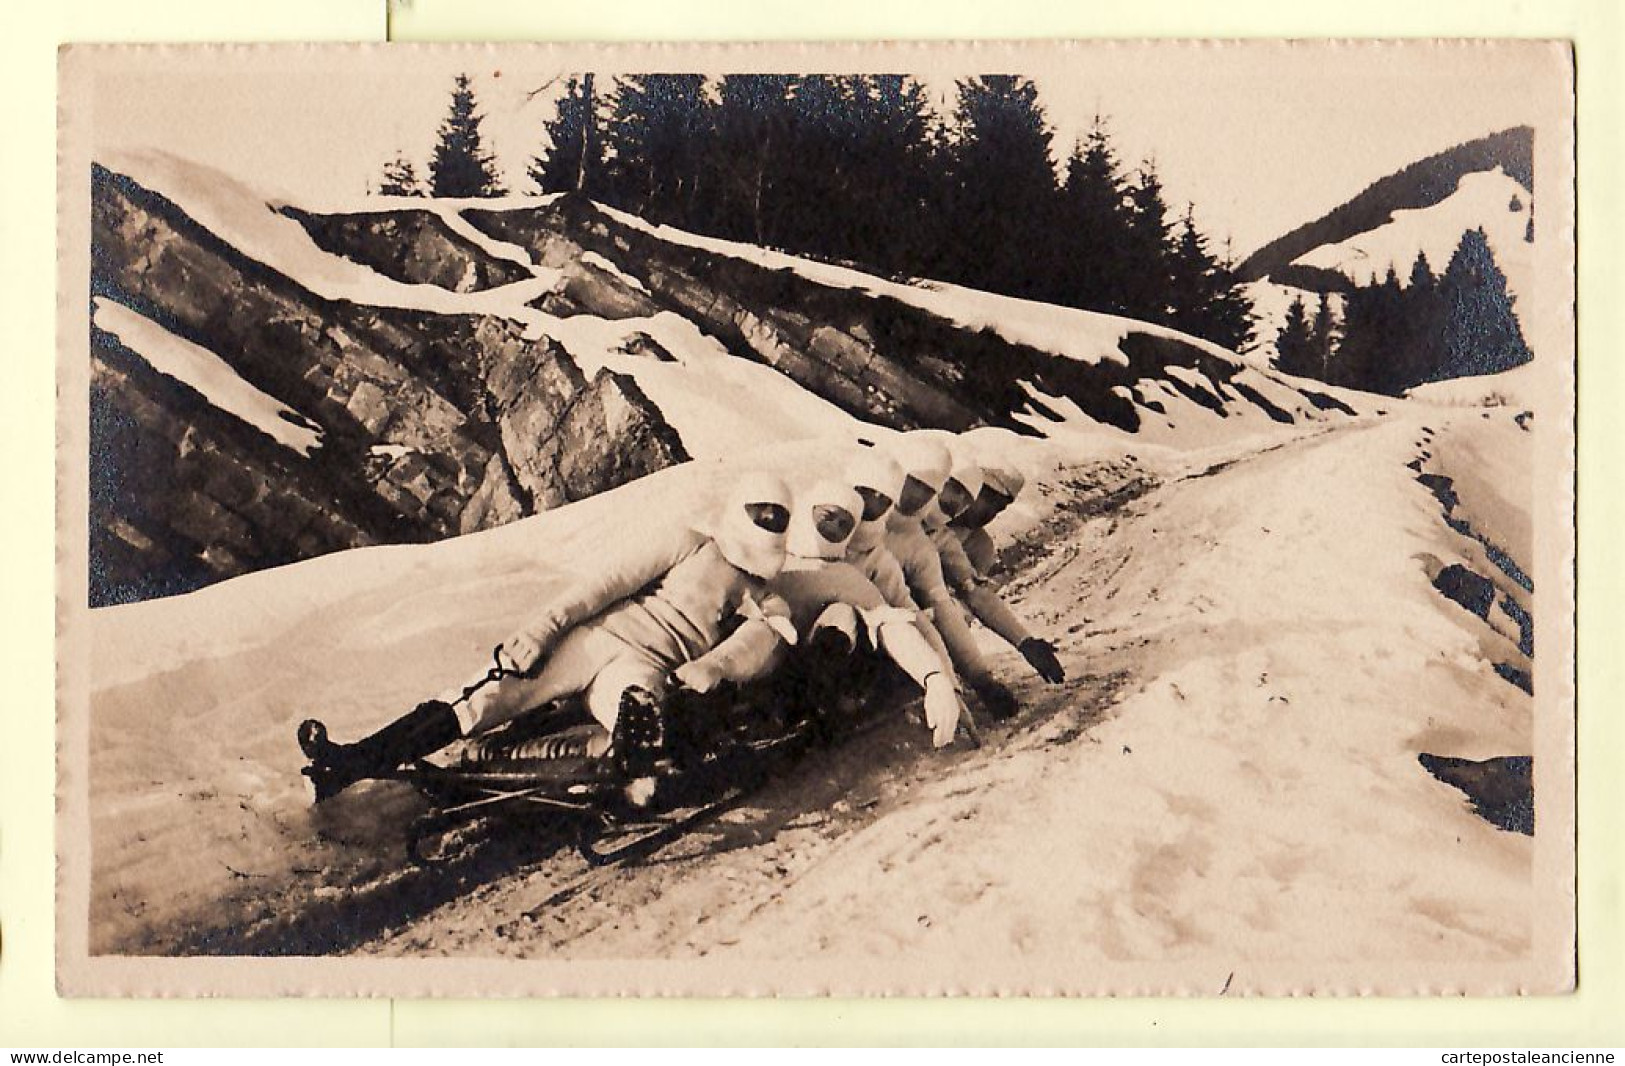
x=1001, y=519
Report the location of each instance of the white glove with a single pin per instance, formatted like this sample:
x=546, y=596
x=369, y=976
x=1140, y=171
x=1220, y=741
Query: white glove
x=941, y=709
x=523, y=650
x=698, y=676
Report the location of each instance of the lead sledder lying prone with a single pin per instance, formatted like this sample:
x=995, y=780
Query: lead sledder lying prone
x=614, y=637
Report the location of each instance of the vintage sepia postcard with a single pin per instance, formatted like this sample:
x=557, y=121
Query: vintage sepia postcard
x=979, y=519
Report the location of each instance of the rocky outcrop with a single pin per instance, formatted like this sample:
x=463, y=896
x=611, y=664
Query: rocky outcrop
x=885, y=361
x=415, y=247
x=180, y=497
x=430, y=425
x=1500, y=790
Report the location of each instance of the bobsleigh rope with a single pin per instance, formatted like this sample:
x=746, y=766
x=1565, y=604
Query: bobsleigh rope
x=497, y=672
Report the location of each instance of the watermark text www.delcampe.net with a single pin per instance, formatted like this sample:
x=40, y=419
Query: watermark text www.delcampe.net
x=90, y=1058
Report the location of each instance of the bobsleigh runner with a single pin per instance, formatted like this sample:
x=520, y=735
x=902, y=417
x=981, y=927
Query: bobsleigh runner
x=714, y=751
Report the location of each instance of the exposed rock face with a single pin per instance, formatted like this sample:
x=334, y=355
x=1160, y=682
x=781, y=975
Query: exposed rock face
x=431, y=425
x=415, y=247
x=180, y=497
x=885, y=361
x=1501, y=790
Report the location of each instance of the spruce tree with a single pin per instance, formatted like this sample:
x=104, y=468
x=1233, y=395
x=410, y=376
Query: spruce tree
x=1230, y=313
x=1480, y=334
x=658, y=136
x=1323, y=335
x=460, y=166
x=1423, y=314
x=1001, y=188
x=816, y=193
x=1190, y=282
x=400, y=178
x=749, y=144
x=573, y=160
x=1147, y=276
x=1294, y=345
x=1093, y=226
x=893, y=174
x=1421, y=279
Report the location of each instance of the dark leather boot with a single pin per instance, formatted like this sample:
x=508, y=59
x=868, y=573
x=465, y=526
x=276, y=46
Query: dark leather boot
x=640, y=740
x=425, y=729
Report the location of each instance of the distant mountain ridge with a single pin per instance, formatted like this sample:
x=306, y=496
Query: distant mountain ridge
x=1420, y=185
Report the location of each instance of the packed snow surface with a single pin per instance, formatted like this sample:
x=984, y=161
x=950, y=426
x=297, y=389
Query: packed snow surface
x=1514, y=388
x=1256, y=658
x=207, y=373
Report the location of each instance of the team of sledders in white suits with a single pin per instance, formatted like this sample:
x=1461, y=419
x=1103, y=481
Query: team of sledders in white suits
x=891, y=558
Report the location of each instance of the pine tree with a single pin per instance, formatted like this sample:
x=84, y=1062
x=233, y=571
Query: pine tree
x=1093, y=226
x=1294, y=345
x=1147, y=276
x=1480, y=333
x=400, y=178
x=658, y=136
x=573, y=160
x=461, y=166
x=1000, y=192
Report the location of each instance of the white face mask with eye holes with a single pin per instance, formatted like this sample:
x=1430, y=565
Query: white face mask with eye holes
x=825, y=518
x=750, y=531
x=926, y=463
x=878, y=481
x=957, y=495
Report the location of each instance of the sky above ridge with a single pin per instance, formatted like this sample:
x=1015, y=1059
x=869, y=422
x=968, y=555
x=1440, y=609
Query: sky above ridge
x=1261, y=136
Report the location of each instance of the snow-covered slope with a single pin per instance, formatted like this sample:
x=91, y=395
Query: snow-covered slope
x=207, y=373
x=1423, y=208
x=1489, y=200
x=1516, y=388
x=1086, y=336
x=408, y=333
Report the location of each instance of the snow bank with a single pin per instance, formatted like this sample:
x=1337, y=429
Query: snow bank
x=248, y=220
x=719, y=405
x=1510, y=388
x=207, y=373
x=605, y=265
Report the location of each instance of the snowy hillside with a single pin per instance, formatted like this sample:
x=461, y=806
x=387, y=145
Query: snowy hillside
x=1492, y=201
x=1422, y=185
x=1422, y=209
